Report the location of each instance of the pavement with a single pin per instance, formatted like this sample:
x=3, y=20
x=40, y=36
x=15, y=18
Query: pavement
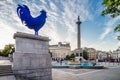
x=109, y=64
x=112, y=73
x=68, y=74
x=104, y=74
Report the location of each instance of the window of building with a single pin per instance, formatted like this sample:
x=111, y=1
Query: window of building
x=77, y=54
x=80, y=54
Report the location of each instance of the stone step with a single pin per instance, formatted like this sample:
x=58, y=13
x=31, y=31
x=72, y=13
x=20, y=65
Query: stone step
x=5, y=70
x=5, y=67
x=6, y=74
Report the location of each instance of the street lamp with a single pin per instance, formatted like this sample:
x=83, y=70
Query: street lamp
x=117, y=58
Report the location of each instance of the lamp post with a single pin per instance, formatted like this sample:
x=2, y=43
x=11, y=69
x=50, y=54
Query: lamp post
x=109, y=58
x=117, y=58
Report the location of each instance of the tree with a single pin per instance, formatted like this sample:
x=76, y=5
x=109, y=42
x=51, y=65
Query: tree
x=112, y=7
x=85, y=54
x=68, y=57
x=8, y=49
x=0, y=53
x=50, y=53
x=72, y=56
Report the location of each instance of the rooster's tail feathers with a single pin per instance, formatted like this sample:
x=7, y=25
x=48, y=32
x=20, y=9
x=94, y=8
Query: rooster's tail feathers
x=22, y=12
x=19, y=12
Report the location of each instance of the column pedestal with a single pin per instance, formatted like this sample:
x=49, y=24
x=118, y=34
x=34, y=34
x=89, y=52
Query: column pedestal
x=31, y=60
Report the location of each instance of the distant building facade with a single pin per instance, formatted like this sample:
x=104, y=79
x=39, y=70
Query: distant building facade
x=101, y=55
x=91, y=53
x=104, y=55
x=60, y=50
x=116, y=54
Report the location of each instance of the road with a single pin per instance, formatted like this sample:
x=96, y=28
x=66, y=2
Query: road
x=103, y=74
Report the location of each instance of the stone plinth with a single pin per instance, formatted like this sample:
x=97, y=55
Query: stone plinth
x=31, y=59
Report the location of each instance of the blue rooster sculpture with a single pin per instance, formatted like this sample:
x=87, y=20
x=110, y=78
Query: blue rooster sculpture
x=26, y=18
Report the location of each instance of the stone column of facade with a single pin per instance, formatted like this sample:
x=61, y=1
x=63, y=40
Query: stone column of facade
x=31, y=60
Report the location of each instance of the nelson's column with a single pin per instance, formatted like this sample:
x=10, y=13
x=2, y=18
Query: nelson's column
x=79, y=51
x=78, y=34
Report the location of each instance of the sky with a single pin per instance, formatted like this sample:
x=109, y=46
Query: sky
x=96, y=31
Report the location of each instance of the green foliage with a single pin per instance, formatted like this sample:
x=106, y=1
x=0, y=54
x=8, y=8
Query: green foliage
x=0, y=52
x=70, y=57
x=85, y=54
x=112, y=7
x=117, y=28
x=8, y=49
x=50, y=53
x=118, y=37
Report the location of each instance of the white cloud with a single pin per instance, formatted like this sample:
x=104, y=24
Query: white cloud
x=43, y=1
x=100, y=45
x=6, y=35
x=53, y=6
x=71, y=10
x=105, y=33
x=109, y=27
x=60, y=25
